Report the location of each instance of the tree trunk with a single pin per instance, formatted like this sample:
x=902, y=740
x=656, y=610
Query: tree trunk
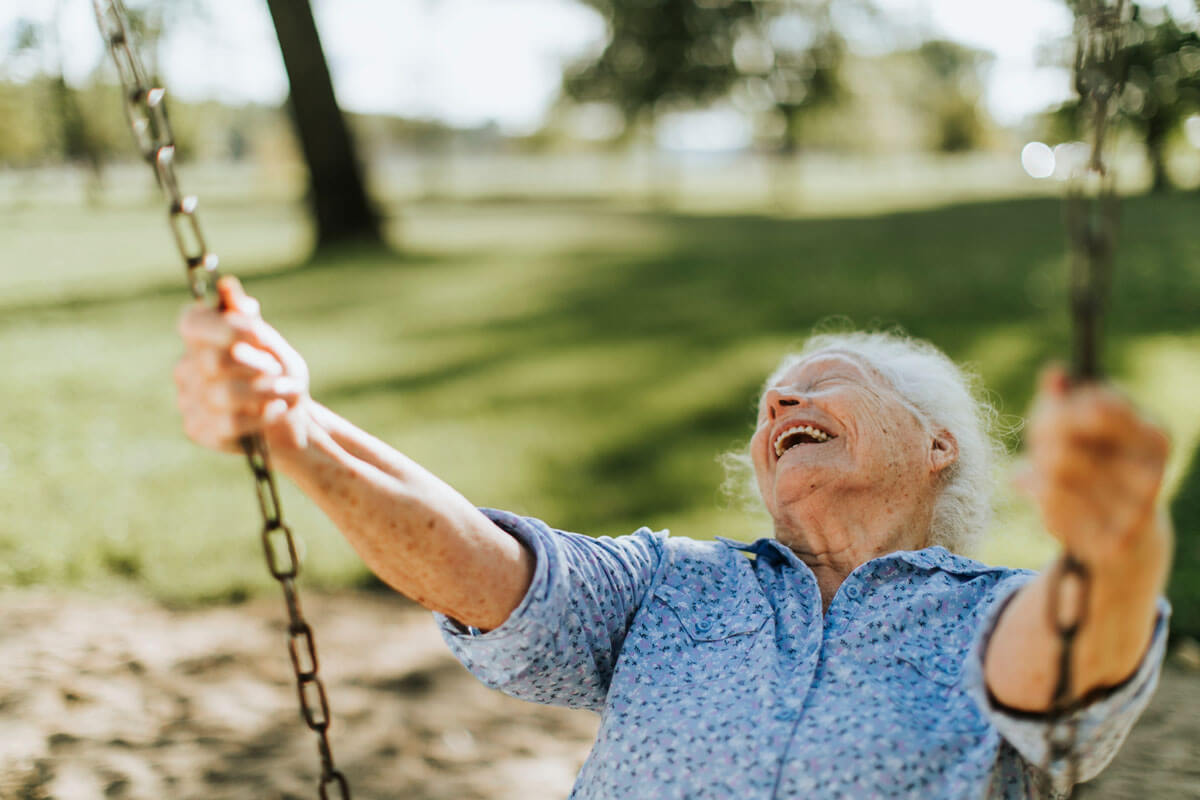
x=336, y=193
x=1156, y=140
x=784, y=166
x=78, y=144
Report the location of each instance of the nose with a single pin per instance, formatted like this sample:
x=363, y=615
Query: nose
x=779, y=398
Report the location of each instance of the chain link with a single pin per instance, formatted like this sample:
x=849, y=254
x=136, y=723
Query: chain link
x=1091, y=215
x=146, y=111
x=1064, y=724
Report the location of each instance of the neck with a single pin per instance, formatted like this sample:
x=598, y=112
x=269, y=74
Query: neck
x=834, y=548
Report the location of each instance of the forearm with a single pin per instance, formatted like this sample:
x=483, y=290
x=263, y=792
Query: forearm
x=413, y=530
x=1022, y=660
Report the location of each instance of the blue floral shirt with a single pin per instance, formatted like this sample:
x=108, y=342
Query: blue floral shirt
x=717, y=675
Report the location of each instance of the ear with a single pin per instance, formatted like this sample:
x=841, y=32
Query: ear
x=943, y=451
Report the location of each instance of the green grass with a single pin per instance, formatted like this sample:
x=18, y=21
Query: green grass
x=576, y=362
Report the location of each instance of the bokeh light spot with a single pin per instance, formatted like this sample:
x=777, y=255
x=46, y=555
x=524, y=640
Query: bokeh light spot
x=1191, y=129
x=1038, y=160
x=1069, y=159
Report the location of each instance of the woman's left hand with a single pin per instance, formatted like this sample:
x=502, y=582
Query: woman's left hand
x=1096, y=471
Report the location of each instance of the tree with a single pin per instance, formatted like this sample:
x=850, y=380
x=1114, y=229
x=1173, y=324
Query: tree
x=779, y=60
x=337, y=193
x=950, y=94
x=807, y=53
x=1161, y=69
x=1162, y=87
x=674, y=53
x=804, y=54
x=72, y=136
x=688, y=53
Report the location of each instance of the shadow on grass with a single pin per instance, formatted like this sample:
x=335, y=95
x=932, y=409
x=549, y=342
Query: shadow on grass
x=703, y=293
x=172, y=287
x=638, y=476
x=953, y=275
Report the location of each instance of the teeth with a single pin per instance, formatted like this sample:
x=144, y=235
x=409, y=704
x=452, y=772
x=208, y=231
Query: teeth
x=815, y=433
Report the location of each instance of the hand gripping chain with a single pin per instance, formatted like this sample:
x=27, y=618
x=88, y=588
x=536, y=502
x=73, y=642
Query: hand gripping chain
x=147, y=114
x=1091, y=215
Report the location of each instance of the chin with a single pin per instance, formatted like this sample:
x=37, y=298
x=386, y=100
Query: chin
x=797, y=484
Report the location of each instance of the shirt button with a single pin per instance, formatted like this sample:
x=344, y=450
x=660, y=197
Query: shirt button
x=853, y=592
x=703, y=625
x=787, y=715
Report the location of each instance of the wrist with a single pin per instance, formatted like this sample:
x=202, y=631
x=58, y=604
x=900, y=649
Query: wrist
x=294, y=437
x=1142, y=557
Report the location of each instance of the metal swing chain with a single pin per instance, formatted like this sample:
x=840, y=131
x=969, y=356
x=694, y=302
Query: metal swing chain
x=1091, y=216
x=1092, y=208
x=146, y=111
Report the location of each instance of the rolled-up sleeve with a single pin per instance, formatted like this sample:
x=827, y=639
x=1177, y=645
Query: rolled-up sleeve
x=1101, y=725
x=561, y=644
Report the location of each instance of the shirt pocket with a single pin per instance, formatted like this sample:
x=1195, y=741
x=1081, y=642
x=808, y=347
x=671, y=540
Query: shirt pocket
x=705, y=641
x=924, y=683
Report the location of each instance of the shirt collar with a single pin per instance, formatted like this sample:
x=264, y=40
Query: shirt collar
x=930, y=558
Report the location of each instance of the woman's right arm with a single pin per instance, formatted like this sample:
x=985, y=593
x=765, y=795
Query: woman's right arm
x=240, y=377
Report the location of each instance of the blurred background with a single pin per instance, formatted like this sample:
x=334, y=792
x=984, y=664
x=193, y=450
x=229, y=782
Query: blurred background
x=549, y=249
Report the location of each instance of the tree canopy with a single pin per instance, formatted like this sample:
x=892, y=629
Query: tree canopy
x=665, y=52
x=1160, y=66
x=781, y=58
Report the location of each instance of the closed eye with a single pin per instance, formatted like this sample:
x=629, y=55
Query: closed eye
x=826, y=379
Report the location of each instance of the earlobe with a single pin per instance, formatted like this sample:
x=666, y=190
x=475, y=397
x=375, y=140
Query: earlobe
x=943, y=451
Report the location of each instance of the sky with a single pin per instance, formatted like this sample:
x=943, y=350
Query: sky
x=469, y=62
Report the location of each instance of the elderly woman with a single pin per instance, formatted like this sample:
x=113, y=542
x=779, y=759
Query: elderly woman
x=856, y=654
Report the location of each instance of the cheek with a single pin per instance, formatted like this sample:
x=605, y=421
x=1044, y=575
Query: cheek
x=758, y=453
x=762, y=469
x=899, y=450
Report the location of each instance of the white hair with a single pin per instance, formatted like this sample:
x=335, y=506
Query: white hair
x=943, y=396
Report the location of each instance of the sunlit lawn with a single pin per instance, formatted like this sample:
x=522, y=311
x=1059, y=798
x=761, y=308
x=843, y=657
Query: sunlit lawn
x=572, y=361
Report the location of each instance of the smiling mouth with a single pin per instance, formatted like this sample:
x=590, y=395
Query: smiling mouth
x=798, y=435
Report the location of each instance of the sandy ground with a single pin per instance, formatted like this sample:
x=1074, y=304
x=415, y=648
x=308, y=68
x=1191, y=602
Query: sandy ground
x=119, y=698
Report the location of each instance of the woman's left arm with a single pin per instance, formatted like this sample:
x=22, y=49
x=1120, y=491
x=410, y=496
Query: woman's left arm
x=1097, y=468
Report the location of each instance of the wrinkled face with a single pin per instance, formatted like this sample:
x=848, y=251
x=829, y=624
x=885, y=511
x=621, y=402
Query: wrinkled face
x=833, y=429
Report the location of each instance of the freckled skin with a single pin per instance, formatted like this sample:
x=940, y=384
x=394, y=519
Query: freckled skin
x=1096, y=469
x=239, y=376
